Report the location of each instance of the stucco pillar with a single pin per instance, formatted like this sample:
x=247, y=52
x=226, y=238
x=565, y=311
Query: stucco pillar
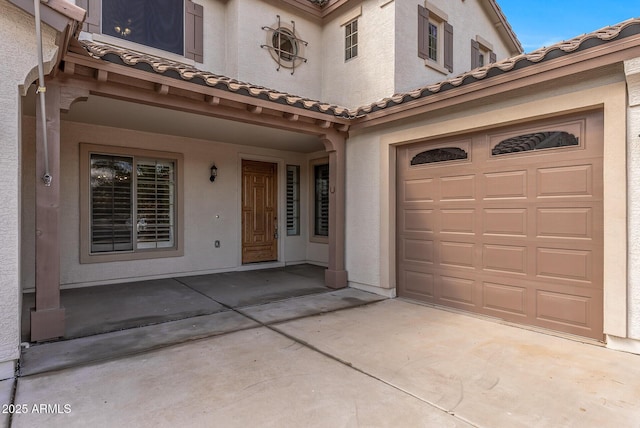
x=47, y=319
x=632, y=72
x=336, y=275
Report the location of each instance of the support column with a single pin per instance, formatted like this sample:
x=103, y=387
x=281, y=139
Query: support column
x=48, y=317
x=632, y=73
x=336, y=275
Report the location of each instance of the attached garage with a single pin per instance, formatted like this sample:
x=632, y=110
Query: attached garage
x=507, y=223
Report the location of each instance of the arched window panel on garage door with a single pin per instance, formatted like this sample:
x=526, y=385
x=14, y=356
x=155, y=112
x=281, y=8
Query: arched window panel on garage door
x=535, y=141
x=442, y=154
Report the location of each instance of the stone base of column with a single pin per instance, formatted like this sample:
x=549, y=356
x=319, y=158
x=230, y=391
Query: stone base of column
x=335, y=278
x=47, y=324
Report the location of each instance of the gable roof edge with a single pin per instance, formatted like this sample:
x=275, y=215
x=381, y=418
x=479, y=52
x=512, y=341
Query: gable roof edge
x=513, y=38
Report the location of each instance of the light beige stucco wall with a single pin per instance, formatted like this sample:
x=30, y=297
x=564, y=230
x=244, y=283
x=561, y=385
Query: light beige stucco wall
x=632, y=69
x=214, y=36
x=248, y=62
x=369, y=76
x=18, y=50
x=371, y=208
x=468, y=19
x=203, y=202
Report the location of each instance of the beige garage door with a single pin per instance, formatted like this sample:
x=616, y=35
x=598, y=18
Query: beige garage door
x=507, y=223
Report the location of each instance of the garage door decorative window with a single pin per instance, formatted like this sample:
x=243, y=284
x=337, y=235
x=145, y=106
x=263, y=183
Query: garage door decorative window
x=439, y=155
x=536, y=141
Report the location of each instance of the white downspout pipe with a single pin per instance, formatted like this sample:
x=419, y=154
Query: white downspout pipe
x=46, y=178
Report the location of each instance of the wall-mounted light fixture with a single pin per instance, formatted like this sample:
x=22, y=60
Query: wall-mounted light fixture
x=214, y=173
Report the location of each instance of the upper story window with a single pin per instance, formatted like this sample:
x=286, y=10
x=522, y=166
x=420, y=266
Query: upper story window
x=174, y=26
x=155, y=23
x=481, y=53
x=351, y=40
x=435, y=38
x=432, y=37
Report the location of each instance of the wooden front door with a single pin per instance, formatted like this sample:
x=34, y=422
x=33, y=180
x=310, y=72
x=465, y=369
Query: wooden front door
x=259, y=212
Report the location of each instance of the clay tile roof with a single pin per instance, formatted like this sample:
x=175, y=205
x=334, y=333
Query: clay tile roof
x=189, y=73
x=177, y=70
x=585, y=41
x=320, y=3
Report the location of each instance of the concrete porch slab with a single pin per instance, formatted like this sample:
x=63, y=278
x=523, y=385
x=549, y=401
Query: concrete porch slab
x=71, y=353
x=484, y=372
x=248, y=288
x=249, y=378
x=309, y=305
x=107, y=308
x=6, y=393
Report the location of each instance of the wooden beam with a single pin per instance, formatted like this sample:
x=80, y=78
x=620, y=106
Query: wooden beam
x=162, y=89
x=254, y=109
x=343, y=127
x=102, y=75
x=291, y=116
x=69, y=68
x=324, y=124
x=69, y=95
x=191, y=105
x=134, y=74
x=212, y=100
x=47, y=320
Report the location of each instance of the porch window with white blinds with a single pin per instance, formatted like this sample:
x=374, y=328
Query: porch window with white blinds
x=321, y=206
x=132, y=203
x=293, y=200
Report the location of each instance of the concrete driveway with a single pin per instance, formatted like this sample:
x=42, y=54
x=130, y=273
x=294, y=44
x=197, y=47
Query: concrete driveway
x=385, y=364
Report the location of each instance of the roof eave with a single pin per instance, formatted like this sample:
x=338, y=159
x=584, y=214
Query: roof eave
x=597, y=57
x=506, y=27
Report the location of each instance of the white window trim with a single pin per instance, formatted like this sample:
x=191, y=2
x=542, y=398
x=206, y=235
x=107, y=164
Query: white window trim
x=485, y=48
x=85, y=206
x=438, y=13
x=438, y=18
x=484, y=43
x=350, y=16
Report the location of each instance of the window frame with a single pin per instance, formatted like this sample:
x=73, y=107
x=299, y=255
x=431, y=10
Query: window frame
x=429, y=17
x=193, y=31
x=351, y=47
x=86, y=256
x=293, y=199
x=322, y=239
x=481, y=53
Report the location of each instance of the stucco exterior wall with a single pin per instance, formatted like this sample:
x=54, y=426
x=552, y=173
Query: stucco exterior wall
x=18, y=48
x=632, y=70
x=255, y=64
x=599, y=89
x=468, y=20
x=212, y=211
x=369, y=76
x=215, y=36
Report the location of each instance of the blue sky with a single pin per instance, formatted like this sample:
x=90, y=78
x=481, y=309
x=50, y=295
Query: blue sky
x=540, y=23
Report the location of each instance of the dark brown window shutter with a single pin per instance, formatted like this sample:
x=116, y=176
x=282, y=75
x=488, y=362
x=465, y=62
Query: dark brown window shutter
x=492, y=57
x=194, y=39
x=448, y=47
x=423, y=32
x=94, y=15
x=475, y=54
